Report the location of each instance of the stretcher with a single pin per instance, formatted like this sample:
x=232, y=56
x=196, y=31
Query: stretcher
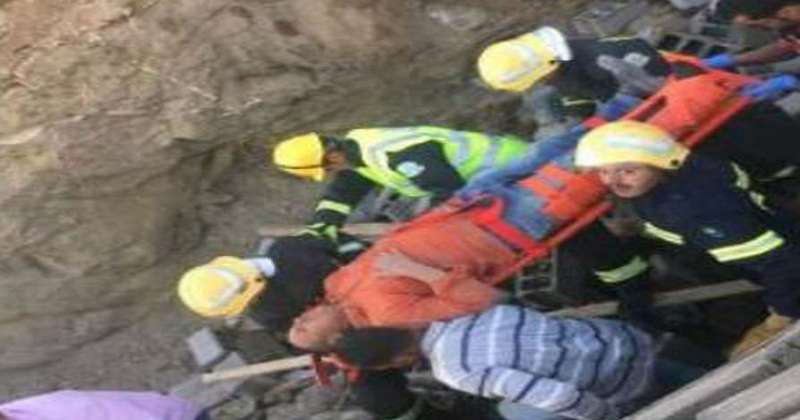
x=694, y=102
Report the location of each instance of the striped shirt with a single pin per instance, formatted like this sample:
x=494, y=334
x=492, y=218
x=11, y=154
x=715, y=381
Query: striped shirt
x=577, y=368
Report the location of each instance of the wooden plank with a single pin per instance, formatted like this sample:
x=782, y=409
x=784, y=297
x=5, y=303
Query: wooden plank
x=695, y=294
x=720, y=384
x=773, y=399
x=369, y=230
x=258, y=369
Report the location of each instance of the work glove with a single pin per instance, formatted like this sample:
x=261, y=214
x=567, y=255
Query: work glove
x=619, y=105
x=757, y=335
x=772, y=88
x=719, y=61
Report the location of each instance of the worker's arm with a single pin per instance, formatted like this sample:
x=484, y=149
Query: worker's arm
x=551, y=395
x=772, y=53
x=539, y=154
x=340, y=197
x=449, y=293
x=728, y=227
x=426, y=165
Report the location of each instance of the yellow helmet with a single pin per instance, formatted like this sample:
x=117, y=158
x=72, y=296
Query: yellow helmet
x=518, y=63
x=630, y=141
x=302, y=156
x=222, y=288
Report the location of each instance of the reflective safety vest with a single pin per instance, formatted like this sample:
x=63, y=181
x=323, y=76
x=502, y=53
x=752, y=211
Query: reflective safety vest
x=468, y=152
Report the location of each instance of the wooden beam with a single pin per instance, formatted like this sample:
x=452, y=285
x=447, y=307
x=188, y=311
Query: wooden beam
x=676, y=297
x=695, y=294
x=358, y=229
x=272, y=366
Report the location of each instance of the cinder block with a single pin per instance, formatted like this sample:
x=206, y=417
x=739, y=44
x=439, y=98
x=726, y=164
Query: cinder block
x=205, y=348
x=608, y=17
x=213, y=394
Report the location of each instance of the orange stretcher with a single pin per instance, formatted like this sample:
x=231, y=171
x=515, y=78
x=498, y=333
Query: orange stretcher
x=694, y=102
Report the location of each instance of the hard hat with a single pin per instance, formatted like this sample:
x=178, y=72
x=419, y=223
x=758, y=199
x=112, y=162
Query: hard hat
x=518, y=63
x=222, y=288
x=302, y=156
x=630, y=141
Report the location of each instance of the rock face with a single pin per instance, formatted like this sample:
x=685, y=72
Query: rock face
x=118, y=117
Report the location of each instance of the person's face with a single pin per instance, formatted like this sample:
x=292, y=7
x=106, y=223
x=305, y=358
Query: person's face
x=786, y=19
x=316, y=328
x=335, y=161
x=628, y=180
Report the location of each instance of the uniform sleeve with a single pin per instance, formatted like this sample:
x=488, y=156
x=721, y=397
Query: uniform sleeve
x=458, y=293
x=426, y=165
x=733, y=233
x=554, y=396
x=340, y=197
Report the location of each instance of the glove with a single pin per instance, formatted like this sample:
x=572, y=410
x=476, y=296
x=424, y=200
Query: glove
x=772, y=88
x=757, y=335
x=719, y=61
x=617, y=106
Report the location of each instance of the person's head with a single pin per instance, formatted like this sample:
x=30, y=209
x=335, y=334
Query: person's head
x=781, y=15
x=311, y=156
x=630, y=157
x=223, y=288
x=377, y=347
x=517, y=64
x=317, y=328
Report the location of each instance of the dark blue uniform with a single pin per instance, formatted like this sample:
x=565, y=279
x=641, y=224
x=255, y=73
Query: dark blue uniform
x=708, y=205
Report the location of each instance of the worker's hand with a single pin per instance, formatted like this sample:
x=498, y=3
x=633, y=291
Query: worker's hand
x=720, y=61
x=759, y=334
x=393, y=263
x=772, y=88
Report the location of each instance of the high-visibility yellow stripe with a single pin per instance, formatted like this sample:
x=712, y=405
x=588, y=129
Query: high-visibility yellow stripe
x=334, y=206
x=633, y=268
x=665, y=235
x=762, y=244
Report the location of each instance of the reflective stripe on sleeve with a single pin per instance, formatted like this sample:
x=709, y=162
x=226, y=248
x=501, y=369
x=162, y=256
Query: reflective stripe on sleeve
x=633, y=268
x=334, y=206
x=762, y=244
x=665, y=235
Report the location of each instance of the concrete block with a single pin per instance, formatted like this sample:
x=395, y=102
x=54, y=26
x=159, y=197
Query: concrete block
x=214, y=394
x=205, y=348
x=608, y=17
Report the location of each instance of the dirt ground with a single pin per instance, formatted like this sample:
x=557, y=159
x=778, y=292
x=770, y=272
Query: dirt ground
x=151, y=353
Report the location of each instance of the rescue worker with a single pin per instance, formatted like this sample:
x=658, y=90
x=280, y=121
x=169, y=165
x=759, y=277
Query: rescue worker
x=584, y=71
x=421, y=161
x=782, y=16
x=700, y=204
x=273, y=286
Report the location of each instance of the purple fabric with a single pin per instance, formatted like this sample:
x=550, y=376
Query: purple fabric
x=100, y=405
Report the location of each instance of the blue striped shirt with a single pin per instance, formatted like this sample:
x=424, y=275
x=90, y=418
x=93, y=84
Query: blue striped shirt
x=577, y=368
